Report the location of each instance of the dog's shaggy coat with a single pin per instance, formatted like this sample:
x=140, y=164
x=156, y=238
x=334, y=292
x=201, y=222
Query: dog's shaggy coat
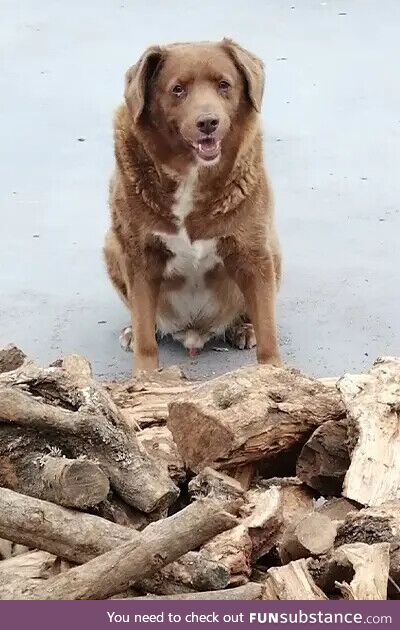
x=192, y=248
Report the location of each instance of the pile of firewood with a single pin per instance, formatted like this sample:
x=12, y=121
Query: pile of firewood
x=260, y=484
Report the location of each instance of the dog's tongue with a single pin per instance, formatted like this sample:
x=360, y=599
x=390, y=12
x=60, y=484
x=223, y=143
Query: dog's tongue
x=208, y=148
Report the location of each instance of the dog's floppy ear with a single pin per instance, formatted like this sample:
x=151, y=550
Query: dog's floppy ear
x=138, y=79
x=252, y=69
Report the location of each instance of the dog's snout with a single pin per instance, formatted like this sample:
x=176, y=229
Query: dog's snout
x=207, y=123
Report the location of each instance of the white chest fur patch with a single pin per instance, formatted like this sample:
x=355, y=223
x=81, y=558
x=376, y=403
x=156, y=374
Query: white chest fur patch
x=191, y=260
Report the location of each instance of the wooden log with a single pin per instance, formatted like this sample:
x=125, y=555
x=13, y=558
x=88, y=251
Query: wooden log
x=11, y=358
x=254, y=536
x=294, y=582
x=325, y=459
x=26, y=466
x=337, y=508
x=215, y=484
x=375, y=525
x=66, y=533
x=372, y=402
x=29, y=566
x=161, y=448
x=356, y=571
x=79, y=537
x=248, y=415
x=192, y=571
x=79, y=368
x=143, y=400
x=161, y=543
x=371, y=568
x=313, y=535
x=249, y=591
x=84, y=420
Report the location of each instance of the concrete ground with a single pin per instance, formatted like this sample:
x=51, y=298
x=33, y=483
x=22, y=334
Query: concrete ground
x=332, y=139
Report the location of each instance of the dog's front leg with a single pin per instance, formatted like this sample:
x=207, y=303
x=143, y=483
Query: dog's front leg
x=255, y=276
x=143, y=303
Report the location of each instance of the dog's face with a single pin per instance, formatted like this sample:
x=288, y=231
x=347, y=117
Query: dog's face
x=195, y=94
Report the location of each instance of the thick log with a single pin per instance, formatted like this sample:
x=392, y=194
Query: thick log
x=294, y=582
x=249, y=591
x=375, y=525
x=81, y=418
x=371, y=570
x=161, y=543
x=313, y=535
x=26, y=466
x=66, y=533
x=249, y=415
x=325, y=459
x=372, y=402
x=143, y=401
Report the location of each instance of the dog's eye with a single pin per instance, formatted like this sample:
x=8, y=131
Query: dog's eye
x=223, y=86
x=178, y=90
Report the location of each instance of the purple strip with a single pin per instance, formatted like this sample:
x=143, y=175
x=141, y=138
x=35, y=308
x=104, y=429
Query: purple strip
x=113, y=614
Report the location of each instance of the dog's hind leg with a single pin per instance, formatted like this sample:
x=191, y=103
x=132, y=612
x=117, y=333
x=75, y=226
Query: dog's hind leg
x=115, y=265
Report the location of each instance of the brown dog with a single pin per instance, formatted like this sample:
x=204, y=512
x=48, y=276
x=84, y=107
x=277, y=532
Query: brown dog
x=192, y=249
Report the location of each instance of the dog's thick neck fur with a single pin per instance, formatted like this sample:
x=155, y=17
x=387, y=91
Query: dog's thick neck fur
x=155, y=175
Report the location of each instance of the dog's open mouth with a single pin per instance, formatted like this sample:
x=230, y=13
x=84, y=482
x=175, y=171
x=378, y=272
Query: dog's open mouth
x=208, y=149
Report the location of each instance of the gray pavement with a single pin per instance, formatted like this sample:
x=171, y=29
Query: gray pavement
x=332, y=140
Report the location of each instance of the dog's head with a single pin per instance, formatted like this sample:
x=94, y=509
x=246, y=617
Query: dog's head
x=195, y=95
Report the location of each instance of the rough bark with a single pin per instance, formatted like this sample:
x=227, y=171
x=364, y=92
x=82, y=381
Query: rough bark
x=27, y=466
x=313, y=535
x=79, y=537
x=161, y=543
x=29, y=566
x=254, y=536
x=249, y=415
x=73, y=535
x=294, y=582
x=356, y=571
x=324, y=458
x=372, y=402
x=371, y=568
x=375, y=525
x=192, y=571
x=337, y=508
x=85, y=421
x=144, y=400
x=215, y=484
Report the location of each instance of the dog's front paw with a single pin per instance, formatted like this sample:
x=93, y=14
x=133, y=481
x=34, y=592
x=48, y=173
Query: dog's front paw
x=126, y=339
x=241, y=335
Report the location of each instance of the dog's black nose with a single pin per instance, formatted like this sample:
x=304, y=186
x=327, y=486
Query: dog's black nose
x=207, y=124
